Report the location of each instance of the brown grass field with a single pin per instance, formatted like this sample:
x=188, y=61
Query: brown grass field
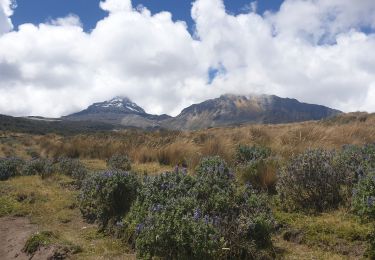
x=174, y=147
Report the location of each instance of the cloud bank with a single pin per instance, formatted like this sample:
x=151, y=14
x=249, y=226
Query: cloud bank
x=314, y=50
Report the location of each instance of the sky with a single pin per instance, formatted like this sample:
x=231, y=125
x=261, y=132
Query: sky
x=58, y=57
x=90, y=13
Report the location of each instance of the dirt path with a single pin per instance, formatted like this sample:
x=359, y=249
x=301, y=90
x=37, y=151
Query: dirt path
x=13, y=234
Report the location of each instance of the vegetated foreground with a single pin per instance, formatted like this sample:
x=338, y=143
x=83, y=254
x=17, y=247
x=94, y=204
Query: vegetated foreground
x=298, y=191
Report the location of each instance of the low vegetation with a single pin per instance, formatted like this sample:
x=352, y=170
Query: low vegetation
x=251, y=194
x=106, y=197
x=119, y=162
x=205, y=216
x=310, y=181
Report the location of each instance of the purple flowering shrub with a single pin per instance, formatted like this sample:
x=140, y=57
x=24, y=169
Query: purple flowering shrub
x=363, y=201
x=72, y=167
x=119, y=162
x=354, y=160
x=311, y=182
x=40, y=166
x=105, y=197
x=10, y=167
x=205, y=216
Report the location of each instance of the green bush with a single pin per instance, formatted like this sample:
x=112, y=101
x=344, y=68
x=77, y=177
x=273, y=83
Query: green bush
x=206, y=216
x=363, y=201
x=72, y=167
x=311, y=182
x=42, y=167
x=119, y=162
x=255, y=165
x=106, y=196
x=245, y=154
x=10, y=167
x=354, y=160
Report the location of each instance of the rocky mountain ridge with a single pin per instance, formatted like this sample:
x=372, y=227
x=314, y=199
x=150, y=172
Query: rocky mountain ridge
x=225, y=110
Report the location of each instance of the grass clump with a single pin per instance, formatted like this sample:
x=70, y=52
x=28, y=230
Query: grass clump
x=336, y=231
x=33, y=243
x=255, y=165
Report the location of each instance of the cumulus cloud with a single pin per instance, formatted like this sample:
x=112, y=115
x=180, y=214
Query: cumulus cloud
x=280, y=53
x=312, y=50
x=6, y=10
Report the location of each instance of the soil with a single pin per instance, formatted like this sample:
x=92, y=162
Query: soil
x=13, y=235
x=14, y=231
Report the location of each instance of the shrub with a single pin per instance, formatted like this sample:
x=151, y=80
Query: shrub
x=42, y=167
x=363, y=201
x=355, y=160
x=206, y=216
x=106, y=196
x=72, y=167
x=254, y=165
x=310, y=182
x=10, y=167
x=245, y=154
x=119, y=162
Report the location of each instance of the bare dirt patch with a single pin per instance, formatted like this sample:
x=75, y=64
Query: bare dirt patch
x=14, y=232
x=13, y=235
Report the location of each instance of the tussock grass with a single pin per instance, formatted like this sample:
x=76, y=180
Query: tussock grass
x=175, y=147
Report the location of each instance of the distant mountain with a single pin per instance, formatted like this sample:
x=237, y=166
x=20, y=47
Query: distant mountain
x=225, y=110
x=118, y=111
x=233, y=110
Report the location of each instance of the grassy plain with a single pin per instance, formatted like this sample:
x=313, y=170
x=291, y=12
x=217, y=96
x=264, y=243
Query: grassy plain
x=51, y=203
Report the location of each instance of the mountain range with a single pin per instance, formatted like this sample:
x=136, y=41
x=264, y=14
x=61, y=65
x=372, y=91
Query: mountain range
x=222, y=111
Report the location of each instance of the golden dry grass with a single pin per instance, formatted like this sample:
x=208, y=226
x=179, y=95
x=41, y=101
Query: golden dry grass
x=171, y=147
x=175, y=147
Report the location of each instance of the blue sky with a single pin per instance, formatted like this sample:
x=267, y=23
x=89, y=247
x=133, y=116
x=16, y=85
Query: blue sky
x=30, y=11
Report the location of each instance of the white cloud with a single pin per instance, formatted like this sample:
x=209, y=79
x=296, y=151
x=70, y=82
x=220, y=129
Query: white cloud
x=116, y=5
x=6, y=10
x=279, y=53
x=312, y=50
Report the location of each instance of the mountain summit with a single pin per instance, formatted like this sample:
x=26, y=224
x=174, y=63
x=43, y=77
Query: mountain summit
x=115, y=105
x=237, y=109
x=118, y=111
x=225, y=110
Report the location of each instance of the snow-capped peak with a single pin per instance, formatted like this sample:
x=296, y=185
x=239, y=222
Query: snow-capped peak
x=120, y=103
